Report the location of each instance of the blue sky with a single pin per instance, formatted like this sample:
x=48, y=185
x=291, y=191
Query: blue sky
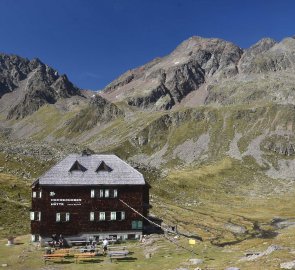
x=94, y=41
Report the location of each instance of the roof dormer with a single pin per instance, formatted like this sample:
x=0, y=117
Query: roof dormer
x=103, y=167
x=77, y=167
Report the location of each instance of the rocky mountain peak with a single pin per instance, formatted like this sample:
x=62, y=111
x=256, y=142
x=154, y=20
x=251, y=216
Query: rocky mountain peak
x=26, y=85
x=201, y=71
x=164, y=82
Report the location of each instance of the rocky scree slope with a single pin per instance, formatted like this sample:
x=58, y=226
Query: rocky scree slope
x=203, y=71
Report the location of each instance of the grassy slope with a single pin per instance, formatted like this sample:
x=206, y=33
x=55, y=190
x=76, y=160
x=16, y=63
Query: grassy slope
x=201, y=197
x=15, y=192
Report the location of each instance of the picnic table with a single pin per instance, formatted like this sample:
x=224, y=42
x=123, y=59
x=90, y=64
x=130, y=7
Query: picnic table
x=90, y=250
x=54, y=257
x=85, y=256
x=117, y=254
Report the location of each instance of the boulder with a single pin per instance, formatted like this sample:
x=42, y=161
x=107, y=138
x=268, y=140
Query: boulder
x=288, y=265
x=196, y=261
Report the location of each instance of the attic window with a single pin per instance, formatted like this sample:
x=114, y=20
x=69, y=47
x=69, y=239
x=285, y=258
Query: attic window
x=77, y=167
x=103, y=167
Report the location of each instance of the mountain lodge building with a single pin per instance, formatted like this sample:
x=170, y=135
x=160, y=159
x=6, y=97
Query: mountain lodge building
x=83, y=195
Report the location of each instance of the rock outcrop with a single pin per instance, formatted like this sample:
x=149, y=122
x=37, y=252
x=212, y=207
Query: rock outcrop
x=27, y=85
x=99, y=110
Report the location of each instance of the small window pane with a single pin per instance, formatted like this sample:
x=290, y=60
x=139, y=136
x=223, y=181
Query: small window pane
x=58, y=217
x=40, y=194
x=107, y=193
x=39, y=216
x=34, y=194
x=122, y=215
x=115, y=193
x=67, y=216
x=101, y=193
x=139, y=224
x=32, y=215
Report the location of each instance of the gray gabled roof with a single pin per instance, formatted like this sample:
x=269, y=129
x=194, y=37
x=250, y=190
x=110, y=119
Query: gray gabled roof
x=67, y=172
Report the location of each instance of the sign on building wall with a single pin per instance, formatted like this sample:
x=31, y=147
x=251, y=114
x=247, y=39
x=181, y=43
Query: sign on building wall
x=67, y=202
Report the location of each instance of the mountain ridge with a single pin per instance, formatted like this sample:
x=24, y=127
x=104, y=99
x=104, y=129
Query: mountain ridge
x=35, y=83
x=195, y=63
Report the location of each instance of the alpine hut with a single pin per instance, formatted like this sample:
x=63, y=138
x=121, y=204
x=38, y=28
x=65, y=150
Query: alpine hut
x=89, y=196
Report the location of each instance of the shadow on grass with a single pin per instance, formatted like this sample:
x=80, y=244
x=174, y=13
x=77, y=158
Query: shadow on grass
x=90, y=261
x=58, y=262
x=126, y=259
x=74, y=262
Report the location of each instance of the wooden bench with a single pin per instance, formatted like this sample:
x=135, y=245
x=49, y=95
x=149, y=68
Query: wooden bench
x=85, y=257
x=54, y=257
x=118, y=254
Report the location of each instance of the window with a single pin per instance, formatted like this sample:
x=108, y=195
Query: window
x=113, y=215
x=77, y=167
x=92, y=193
x=62, y=217
x=103, y=167
x=35, y=238
x=91, y=216
x=104, y=193
x=37, y=194
x=136, y=225
x=102, y=216
x=120, y=215
x=35, y=216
